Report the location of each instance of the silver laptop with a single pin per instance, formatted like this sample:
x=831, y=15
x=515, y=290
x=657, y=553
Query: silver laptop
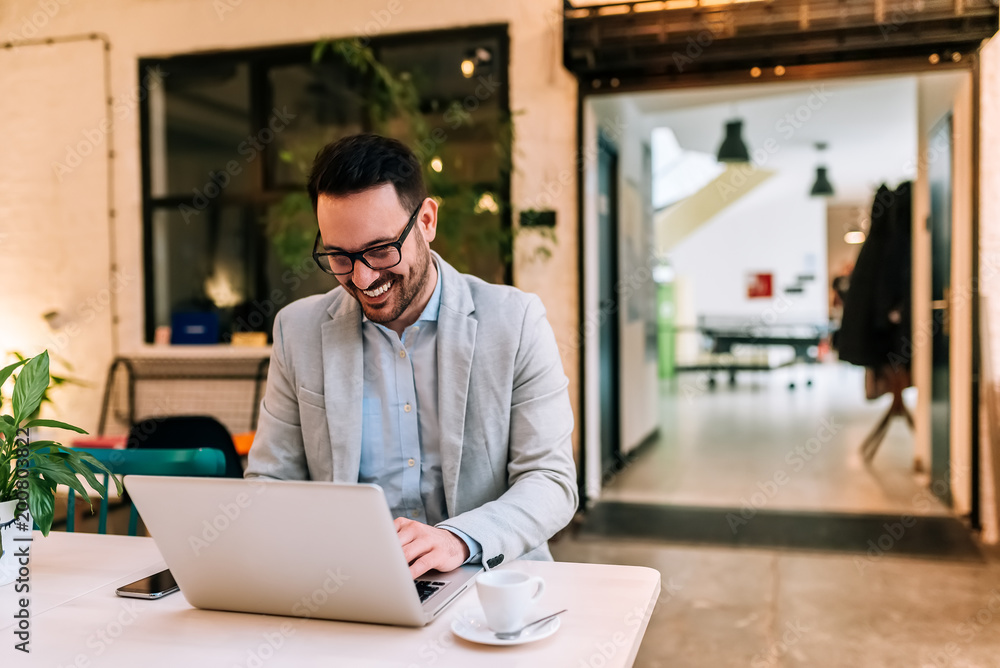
x=302, y=549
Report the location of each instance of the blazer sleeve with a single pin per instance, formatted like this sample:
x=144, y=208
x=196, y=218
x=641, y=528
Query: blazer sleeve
x=278, y=451
x=542, y=495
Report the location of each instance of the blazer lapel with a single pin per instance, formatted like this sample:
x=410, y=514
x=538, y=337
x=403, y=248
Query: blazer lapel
x=343, y=386
x=456, y=340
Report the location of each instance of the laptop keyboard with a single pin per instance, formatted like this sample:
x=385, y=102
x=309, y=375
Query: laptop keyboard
x=425, y=588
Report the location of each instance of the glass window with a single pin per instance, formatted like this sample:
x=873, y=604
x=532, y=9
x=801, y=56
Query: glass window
x=229, y=138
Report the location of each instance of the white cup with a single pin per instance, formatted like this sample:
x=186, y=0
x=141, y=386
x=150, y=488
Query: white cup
x=506, y=597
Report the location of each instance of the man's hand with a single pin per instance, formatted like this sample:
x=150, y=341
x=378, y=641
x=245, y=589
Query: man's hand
x=427, y=547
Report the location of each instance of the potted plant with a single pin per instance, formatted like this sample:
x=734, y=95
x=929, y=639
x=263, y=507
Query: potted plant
x=30, y=471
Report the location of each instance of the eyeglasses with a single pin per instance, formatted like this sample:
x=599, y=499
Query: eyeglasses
x=383, y=256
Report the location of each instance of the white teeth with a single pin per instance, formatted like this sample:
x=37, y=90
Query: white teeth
x=377, y=291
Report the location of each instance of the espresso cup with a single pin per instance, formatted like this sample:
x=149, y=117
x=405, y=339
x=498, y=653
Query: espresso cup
x=506, y=597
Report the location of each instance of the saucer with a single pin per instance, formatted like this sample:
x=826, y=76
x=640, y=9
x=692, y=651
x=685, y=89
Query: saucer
x=470, y=624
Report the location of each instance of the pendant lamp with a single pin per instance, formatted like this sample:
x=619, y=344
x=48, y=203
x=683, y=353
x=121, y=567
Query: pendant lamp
x=822, y=187
x=733, y=148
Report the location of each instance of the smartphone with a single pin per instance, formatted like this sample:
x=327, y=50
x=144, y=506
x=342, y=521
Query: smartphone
x=157, y=585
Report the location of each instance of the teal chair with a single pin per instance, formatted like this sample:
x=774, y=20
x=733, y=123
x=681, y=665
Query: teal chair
x=201, y=462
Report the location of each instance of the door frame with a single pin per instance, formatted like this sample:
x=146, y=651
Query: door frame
x=590, y=476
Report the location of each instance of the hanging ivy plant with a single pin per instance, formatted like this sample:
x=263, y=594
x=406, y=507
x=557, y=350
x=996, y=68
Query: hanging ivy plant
x=391, y=104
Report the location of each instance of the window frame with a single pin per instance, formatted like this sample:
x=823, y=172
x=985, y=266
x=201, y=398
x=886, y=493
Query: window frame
x=259, y=60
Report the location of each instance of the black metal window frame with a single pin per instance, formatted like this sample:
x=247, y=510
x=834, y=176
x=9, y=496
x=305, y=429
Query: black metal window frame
x=261, y=194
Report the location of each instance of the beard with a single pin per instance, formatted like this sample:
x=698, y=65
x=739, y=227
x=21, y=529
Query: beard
x=402, y=293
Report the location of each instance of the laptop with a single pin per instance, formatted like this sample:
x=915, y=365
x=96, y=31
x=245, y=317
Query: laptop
x=295, y=548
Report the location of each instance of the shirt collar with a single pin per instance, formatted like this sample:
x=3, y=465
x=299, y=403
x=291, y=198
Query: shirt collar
x=430, y=312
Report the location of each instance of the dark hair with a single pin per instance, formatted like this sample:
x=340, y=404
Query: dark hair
x=359, y=162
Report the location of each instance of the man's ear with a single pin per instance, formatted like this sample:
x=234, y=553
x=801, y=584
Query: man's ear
x=428, y=219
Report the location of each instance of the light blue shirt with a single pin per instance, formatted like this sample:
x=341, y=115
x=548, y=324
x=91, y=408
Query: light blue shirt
x=400, y=433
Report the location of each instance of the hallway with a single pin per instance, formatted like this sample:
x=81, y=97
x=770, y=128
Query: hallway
x=776, y=448
x=734, y=604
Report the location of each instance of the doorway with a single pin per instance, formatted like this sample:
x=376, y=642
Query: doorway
x=801, y=429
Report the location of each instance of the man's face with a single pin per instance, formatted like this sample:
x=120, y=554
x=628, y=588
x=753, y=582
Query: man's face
x=356, y=222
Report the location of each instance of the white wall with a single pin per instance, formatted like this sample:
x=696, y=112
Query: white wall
x=869, y=126
x=54, y=237
x=51, y=95
x=775, y=228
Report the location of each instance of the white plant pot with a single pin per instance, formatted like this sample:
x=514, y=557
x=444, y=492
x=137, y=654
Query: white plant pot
x=8, y=532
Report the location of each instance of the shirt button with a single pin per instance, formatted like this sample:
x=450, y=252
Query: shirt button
x=415, y=513
x=402, y=353
x=410, y=462
x=407, y=408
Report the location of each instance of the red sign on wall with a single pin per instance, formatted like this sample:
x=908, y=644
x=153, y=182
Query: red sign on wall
x=760, y=285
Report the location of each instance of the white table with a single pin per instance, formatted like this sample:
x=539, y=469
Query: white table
x=78, y=621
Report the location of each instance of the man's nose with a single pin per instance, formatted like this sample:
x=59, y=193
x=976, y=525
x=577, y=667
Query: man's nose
x=363, y=276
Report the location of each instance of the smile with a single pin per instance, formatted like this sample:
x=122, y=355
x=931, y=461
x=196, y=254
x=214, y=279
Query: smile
x=377, y=291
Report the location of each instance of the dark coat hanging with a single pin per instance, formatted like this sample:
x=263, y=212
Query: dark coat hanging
x=875, y=329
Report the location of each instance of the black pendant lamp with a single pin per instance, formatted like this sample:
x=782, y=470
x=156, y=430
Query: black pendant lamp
x=733, y=148
x=822, y=187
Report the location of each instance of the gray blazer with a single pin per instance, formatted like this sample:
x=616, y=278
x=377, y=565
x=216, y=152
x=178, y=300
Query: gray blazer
x=506, y=421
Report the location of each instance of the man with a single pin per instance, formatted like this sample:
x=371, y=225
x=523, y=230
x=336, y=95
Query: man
x=446, y=391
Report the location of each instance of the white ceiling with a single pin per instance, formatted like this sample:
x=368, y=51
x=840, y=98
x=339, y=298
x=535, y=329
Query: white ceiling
x=870, y=126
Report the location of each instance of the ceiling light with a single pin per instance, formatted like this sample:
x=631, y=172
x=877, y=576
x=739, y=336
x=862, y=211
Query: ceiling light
x=733, y=148
x=822, y=187
x=854, y=237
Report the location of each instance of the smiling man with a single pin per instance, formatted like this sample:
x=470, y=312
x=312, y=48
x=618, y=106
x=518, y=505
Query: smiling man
x=443, y=389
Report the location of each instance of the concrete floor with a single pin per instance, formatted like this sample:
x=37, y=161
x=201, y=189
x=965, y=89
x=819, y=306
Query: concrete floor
x=808, y=436
x=749, y=607
x=731, y=607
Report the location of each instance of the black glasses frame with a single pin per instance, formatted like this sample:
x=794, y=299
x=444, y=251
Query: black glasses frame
x=354, y=257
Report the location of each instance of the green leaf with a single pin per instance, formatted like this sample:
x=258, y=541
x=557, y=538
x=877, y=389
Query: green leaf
x=30, y=387
x=41, y=502
x=7, y=370
x=7, y=428
x=55, y=423
x=60, y=475
x=87, y=465
x=318, y=50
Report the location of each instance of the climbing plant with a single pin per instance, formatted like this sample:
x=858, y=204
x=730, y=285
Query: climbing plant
x=392, y=106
